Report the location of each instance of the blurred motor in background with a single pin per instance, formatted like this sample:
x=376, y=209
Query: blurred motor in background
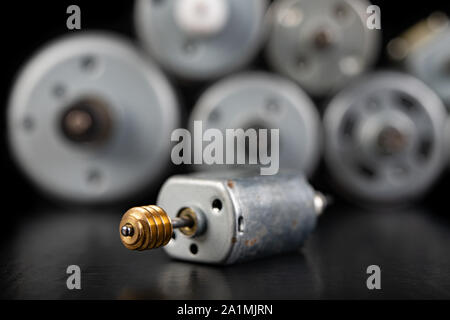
x=385, y=138
x=258, y=100
x=225, y=217
x=201, y=39
x=89, y=117
x=321, y=44
x=424, y=51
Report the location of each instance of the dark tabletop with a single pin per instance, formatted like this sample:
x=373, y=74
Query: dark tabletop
x=39, y=241
x=411, y=246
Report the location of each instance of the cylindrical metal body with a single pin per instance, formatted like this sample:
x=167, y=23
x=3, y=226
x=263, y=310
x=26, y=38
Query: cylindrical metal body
x=385, y=138
x=201, y=39
x=321, y=44
x=424, y=51
x=247, y=216
x=259, y=100
x=90, y=119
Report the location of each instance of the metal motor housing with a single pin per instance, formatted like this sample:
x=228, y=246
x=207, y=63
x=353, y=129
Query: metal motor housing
x=247, y=216
x=263, y=100
x=385, y=139
x=424, y=51
x=431, y=64
x=201, y=39
x=90, y=119
x=321, y=44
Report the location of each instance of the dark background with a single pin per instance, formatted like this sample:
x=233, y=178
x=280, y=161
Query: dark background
x=41, y=237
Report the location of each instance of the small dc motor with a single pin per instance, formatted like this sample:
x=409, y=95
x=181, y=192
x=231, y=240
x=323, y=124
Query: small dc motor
x=225, y=219
x=90, y=118
x=262, y=100
x=321, y=44
x=424, y=51
x=201, y=39
x=385, y=138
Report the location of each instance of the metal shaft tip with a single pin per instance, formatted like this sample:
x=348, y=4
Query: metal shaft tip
x=127, y=230
x=144, y=228
x=320, y=203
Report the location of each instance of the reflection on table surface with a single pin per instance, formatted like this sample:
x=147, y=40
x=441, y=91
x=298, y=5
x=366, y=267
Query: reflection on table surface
x=410, y=245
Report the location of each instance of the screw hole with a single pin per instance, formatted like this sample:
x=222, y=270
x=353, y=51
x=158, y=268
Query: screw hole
x=408, y=103
x=366, y=171
x=425, y=149
x=349, y=124
x=59, y=91
x=189, y=47
x=217, y=205
x=302, y=63
x=94, y=177
x=88, y=63
x=214, y=116
x=28, y=124
x=341, y=12
x=241, y=225
x=373, y=104
x=193, y=248
x=273, y=106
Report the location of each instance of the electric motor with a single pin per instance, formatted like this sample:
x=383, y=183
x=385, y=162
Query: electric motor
x=201, y=39
x=225, y=218
x=384, y=138
x=424, y=51
x=321, y=44
x=90, y=119
x=257, y=100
